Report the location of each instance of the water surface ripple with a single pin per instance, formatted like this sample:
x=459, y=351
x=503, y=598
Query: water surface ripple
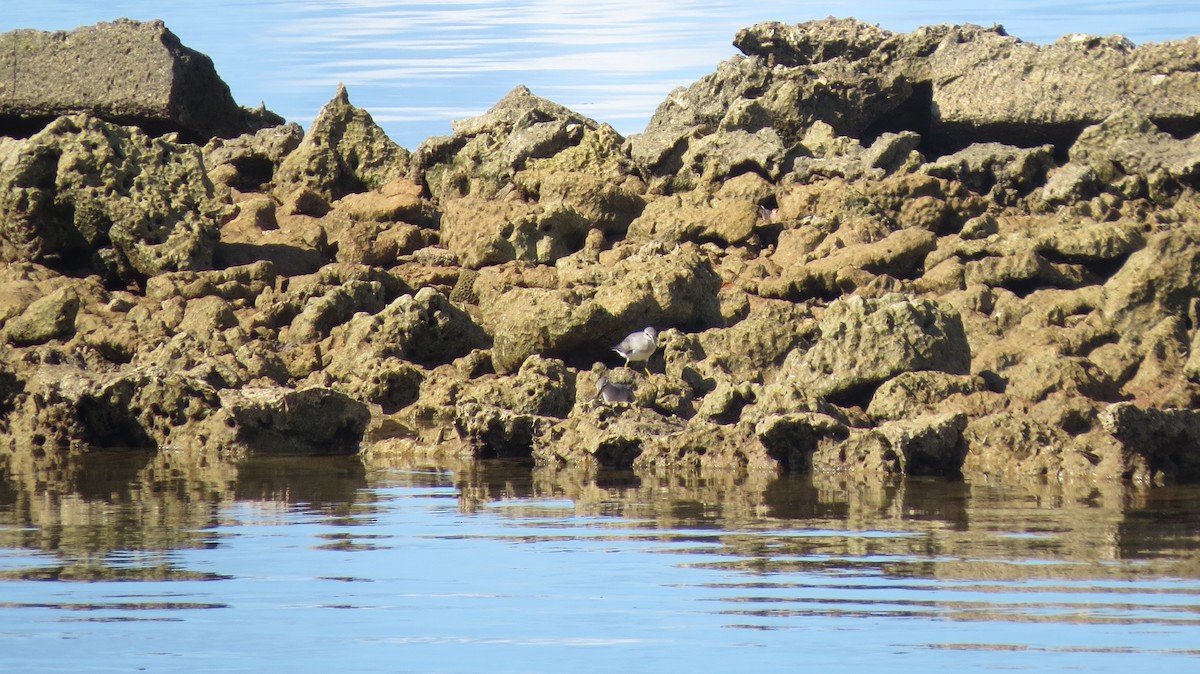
x=120, y=562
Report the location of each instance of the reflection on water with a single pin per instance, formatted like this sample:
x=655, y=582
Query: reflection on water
x=148, y=559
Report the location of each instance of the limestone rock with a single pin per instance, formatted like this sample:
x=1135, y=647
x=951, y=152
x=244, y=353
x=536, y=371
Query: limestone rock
x=86, y=193
x=485, y=152
x=126, y=72
x=677, y=288
x=424, y=328
x=280, y=421
x=602, y=436
x=51, y=317
x=924, y=445
x=248, y=162
x=1156, y=281
x=1002, y=171
x=343, y=152
x=866, y=342
x=730, y=214
x=1127, y=144
x=542, y=386
x=1166, y=437
x=483, y=232
x=911, y=393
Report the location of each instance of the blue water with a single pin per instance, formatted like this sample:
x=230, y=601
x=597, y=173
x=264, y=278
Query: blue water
x=335, y=566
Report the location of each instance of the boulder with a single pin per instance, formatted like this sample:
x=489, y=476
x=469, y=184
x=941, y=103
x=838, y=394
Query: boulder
x=924, y=445
x=650, y=287
x=602, y=436
x=485, y=152
x=274, y=421
x=248, y=162
x=343, y=152
x=865, y=342
x=83, y=193
x=125, y=72
x=424, y=328
x=51, y=317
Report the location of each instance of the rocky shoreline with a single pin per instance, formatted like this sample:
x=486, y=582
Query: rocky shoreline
x=866, y=253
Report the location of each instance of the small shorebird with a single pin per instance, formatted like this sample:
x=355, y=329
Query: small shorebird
x=613, y=393
x=638, y=346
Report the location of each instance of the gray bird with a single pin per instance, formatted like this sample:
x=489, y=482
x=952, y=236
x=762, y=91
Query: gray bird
x=638, y=346
x=613, y=393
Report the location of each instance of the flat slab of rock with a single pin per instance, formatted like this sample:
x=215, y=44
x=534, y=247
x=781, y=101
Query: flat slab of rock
x=127, y=72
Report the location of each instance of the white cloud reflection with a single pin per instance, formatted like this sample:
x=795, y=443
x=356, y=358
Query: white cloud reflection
x=614, y=61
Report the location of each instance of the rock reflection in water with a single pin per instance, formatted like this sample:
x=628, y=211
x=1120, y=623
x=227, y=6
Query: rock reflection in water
x=116, y=515
x=760, y=551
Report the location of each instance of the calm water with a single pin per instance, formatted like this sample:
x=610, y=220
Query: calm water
x=138, y=563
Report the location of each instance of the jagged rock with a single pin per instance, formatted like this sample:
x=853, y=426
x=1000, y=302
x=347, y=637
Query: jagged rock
x=51, y=317
x=729, y=215
x=941, y=81
x=1157, y=281
x=542, y=386
x=321, y=314
x=724, y=404
x=910, y=393
x=749, y=106
x=708, y=448
x=651, y=287
x=65, y=408
x=602, y=436
x=398, y=201
x=206, y=316
x=343, y=152
x=248, y=162
x=1046, y=373
x=595, y=177
x=924, y=445
x=1167, y=438
x=1126, y=145
x=866, y=342
x=897, y=255
x=490, y=431
x=86, y=193
x=743, y=352
x=127, y=72
x=485, y=152
x=1003, y=172
x=244, y=282
x=791, y=438
x=483, y=232
x=424, y=328
x=283, y=421
x=1092, y=242
x=1010, y=445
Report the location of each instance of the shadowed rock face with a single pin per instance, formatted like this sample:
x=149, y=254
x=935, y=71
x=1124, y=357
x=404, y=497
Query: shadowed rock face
x=857, y=264
x=127, y=72
x=86, y=194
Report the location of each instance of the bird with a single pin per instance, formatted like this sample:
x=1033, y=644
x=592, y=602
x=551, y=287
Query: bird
x=638, y=346
x=613, y=393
